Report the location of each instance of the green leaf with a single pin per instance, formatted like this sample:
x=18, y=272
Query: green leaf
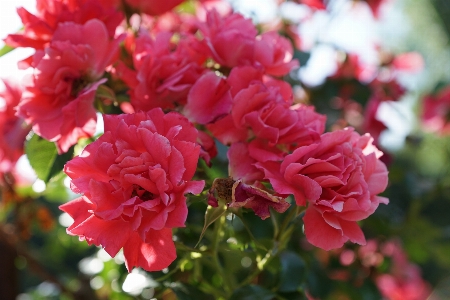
x=44, y=158
x=55, y=190
x=292, y=272
x=104, y=92
x=251, y=292
x=186, y=7
x=211, y=215
x=5, y=50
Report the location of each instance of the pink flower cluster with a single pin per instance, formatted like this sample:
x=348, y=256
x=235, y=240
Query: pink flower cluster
x=404, y=280
x=385, y=263
x=219, y=75
x=382, y=80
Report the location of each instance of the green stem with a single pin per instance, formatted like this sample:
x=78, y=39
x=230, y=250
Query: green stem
x=183, y=247
x=244, y=222
x=170, y=273
x=281, y=237
x=293, y=213
x=218, y=229
x=271, y=254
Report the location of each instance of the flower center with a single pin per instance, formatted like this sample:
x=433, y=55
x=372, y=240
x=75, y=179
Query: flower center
x=78, y=84
x=143, y=194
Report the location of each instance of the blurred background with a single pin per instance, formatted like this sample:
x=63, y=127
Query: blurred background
x=43, y=262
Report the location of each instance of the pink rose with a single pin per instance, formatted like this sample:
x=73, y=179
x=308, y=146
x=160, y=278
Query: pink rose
x=404, y=280
x=436, y=110
x=59, y=96
x=387, y=90
x=153, y=7
x=410, y=62
x=371, y=124
x=242, y=165
x=263, y=111
x=208, y=99
x=375, y=6
x=275, y=53
x=38, y=29
x=231, y=39
x=340, y=177
x=134, y=179
x=316, y=4
x=208, y=147
x=351, y=67
x=165, y=72
x=13, y=130
x=409, y=286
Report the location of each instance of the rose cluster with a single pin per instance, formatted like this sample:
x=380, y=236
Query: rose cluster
x=177, y=83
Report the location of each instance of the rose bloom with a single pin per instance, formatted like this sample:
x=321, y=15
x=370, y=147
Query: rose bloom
x=404, y=280
x=165, y=72
x=208, y=99
x=59, y=95
x=263, y=110
x=231, y=39
x=134, y=179
x=275, y=53
x=13, y=129
x=153, y=7
x=436, y=112
x=39, y=29
x=340, y=177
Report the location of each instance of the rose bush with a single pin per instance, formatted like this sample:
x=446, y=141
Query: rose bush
x=196, y=96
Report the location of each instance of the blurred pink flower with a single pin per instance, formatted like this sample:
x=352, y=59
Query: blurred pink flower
x=436, y=112
x=134, y=179
x=317, y=4
x=13, y=129
x=404, y=280
x=275, y=53
x=408, y=62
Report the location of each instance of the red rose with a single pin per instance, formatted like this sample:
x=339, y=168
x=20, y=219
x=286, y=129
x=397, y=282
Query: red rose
x=38, y=29
x=58, y=100
x=13, y=130
x=134, y=179
x=154, y=7
x=340, y=177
